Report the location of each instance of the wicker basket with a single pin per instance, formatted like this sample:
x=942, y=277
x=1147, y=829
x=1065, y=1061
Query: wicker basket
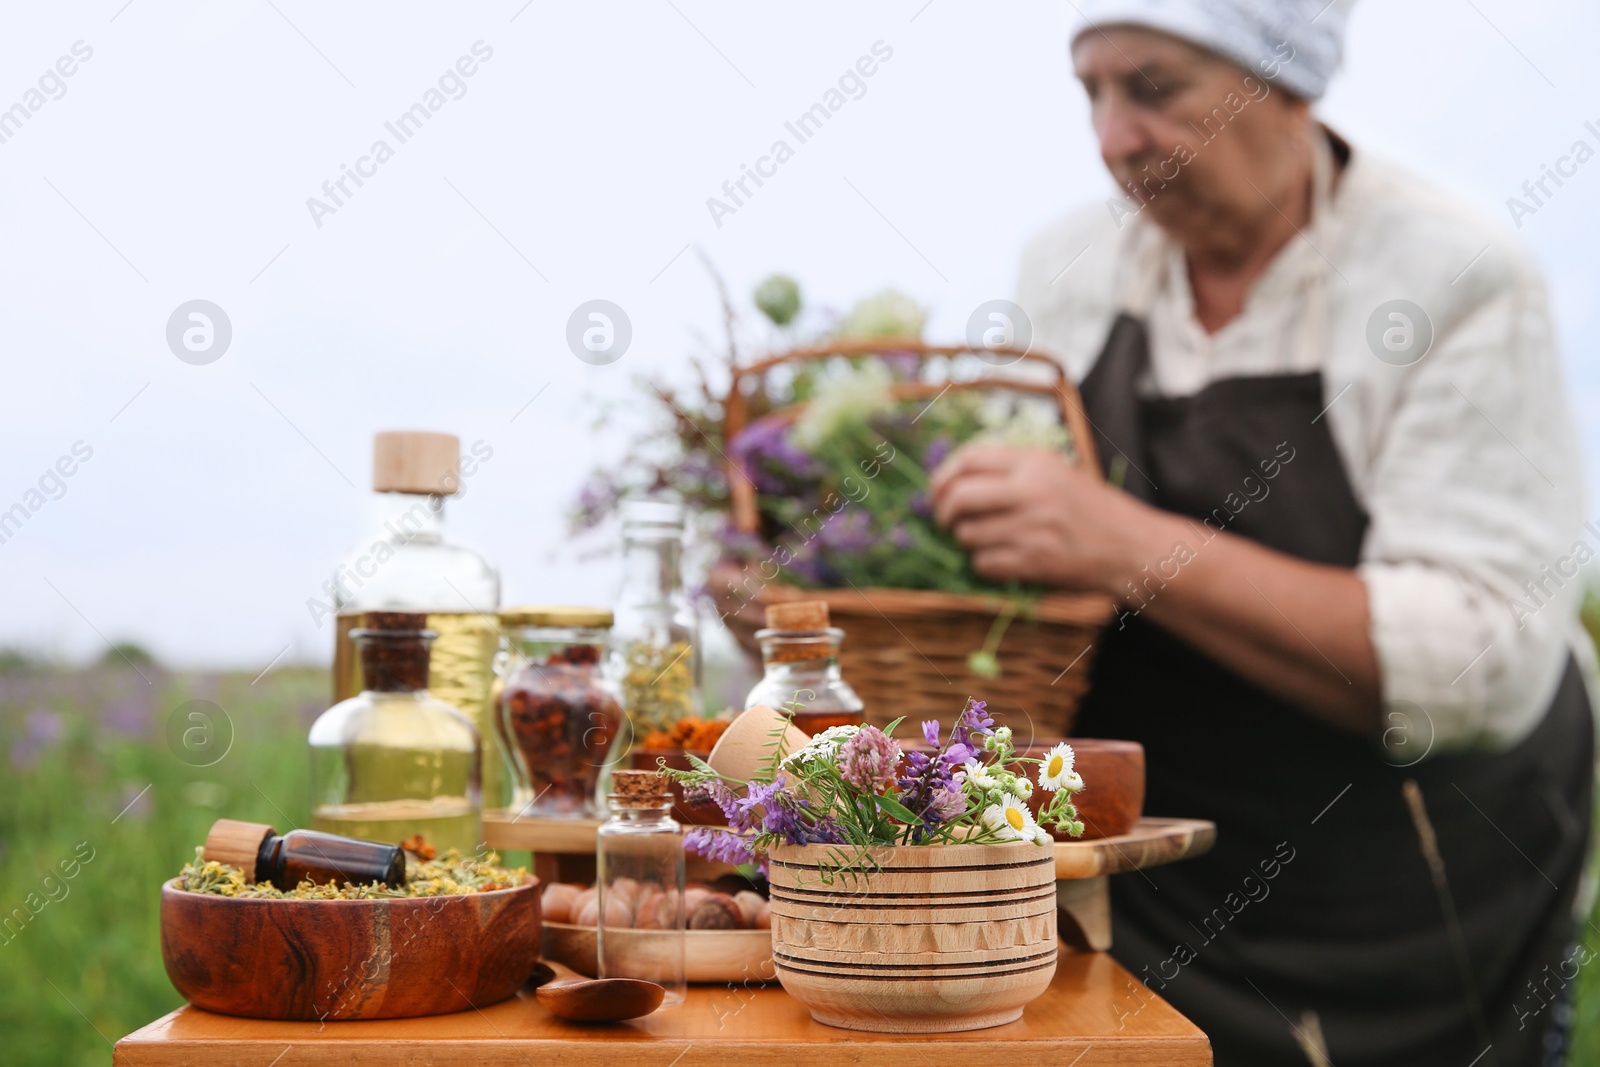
x=906, y=650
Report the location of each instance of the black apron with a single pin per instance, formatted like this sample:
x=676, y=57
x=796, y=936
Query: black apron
x=1317, y=896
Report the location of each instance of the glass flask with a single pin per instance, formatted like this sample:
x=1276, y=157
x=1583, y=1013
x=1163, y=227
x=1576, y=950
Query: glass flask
x=640, y=881
x=800, y=660
x=408, y=564
x=394, y=760
x=558, y=705
x=654, y=644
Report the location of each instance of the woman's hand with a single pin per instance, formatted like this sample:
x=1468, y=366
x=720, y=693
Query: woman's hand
x=1030, y=515
x=1296, y=628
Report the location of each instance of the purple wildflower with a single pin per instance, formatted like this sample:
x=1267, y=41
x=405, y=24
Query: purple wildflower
x=974, y=719
x=718, y=845
x=849, y=533
x=718, y=793
x=41, y=729
x=920, y=507
x=765, y=454
x=869, y=759
x=938, y=450
x=930, y=732
x=946, y=804
x=900, y=538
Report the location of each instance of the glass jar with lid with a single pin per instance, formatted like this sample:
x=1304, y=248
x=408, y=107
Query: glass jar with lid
x=800, y=660
x=560, y=705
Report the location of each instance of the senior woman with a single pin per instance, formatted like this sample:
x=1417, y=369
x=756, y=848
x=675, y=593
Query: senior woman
x=1340, y=513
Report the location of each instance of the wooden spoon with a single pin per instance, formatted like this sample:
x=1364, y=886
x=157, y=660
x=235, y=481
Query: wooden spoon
x=596, y=1000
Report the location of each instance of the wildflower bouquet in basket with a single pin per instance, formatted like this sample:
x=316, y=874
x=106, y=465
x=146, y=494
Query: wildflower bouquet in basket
x=856, y=787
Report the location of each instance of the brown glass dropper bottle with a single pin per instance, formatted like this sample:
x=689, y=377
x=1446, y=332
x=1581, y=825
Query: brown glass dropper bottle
x=302, y=856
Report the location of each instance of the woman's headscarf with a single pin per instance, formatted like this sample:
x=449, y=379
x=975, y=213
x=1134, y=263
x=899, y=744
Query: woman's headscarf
x=1295, y=43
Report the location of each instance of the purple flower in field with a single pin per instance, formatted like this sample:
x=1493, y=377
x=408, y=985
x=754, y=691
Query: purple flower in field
x=41, y=729
x=930, y=732
x=920, y=507
x=129, y=717
x=938, y=450
x=869, y=759
x=719, y=794
x=900, y=538
x=718, y=845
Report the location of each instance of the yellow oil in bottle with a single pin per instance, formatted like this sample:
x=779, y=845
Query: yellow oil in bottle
x=460, y=672
x=445, y=823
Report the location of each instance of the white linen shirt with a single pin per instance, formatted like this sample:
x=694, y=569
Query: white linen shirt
x=1465, y=461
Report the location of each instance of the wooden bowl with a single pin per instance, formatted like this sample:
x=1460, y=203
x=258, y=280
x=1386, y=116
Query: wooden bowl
x=923, y=939
x=349, y=959
x=746, y=746
x=1112, y=797
x=715, y=956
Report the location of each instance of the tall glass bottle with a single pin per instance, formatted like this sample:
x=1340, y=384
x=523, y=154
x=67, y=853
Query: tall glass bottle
x=655, y=644
x=639, y=878
x=394, y=760
x=800, y=657
x=409, y=565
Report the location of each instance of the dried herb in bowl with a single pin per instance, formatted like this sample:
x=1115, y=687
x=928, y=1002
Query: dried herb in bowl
x=448, y=875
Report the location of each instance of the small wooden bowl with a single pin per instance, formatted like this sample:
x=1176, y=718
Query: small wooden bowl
x=713, y=956
x=746, y=746
x=1112, y=797
x=349, y=959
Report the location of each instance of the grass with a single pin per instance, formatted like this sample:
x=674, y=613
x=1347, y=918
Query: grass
x=90, y=776
x=91, y=780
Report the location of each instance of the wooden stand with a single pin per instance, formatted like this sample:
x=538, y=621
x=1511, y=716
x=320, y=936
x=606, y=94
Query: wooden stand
x=563, y=851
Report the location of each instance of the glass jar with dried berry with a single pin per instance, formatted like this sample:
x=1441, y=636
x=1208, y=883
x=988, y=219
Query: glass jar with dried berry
x=560, y=705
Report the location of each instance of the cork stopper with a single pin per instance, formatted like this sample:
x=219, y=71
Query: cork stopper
x=416, y=461
x=639, y=788
x=237, y=844
x=798, y=615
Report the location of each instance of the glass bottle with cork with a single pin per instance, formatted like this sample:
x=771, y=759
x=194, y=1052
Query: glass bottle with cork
x=409, y=565
x=639, y=880
x=394, y=760
x=800, y=660
x=654, y=643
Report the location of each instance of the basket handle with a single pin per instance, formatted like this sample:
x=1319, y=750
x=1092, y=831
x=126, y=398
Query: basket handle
x=735, y=412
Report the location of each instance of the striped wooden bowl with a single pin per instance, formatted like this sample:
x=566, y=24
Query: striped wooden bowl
x=925, y=939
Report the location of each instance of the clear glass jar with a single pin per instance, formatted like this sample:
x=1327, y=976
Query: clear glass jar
x=639, y=869
x=559, y=707
x=408, y=564
x=801, y=671
x=654, y=644
x=394, y=760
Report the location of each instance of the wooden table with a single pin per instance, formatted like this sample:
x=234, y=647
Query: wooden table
x=1093, y=1005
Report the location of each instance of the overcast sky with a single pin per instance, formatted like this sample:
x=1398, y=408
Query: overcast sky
x=574, y=163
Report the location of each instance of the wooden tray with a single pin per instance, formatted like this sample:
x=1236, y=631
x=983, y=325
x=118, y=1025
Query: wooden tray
x=1095, y=1014
x=1151, y=843
x=711, y=956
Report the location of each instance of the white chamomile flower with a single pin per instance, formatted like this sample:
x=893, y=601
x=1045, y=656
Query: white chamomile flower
x=1056, y=768
x=1073, y=782
x=1022, y=787
x=1041, y=836
x=977, y=775
x=1011, y=818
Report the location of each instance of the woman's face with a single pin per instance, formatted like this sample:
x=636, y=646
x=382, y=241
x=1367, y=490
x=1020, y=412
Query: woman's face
x=1200, y=143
